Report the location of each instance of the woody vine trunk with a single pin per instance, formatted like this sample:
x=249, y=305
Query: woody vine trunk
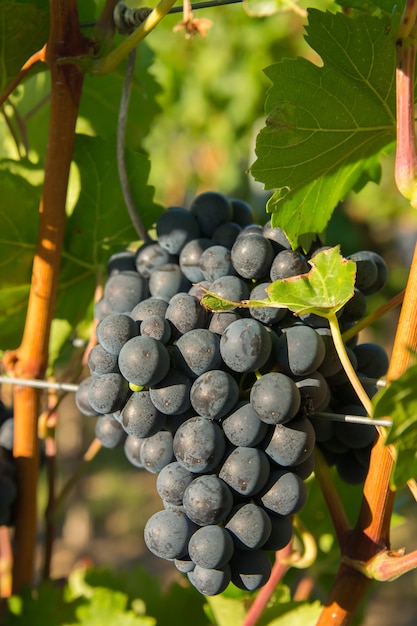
x=31, y=358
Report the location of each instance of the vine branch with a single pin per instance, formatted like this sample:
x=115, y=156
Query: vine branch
x=31, y=358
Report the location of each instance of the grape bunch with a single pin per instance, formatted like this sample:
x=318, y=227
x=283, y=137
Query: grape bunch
x=8, y=488
x=220, y=406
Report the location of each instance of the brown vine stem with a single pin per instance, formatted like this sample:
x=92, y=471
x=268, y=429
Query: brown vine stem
x=331, y=496
x=30, y=359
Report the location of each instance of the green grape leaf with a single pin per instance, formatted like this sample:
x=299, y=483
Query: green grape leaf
x=47, y=606
x=227, y=611
x=323, y=290
x=23, y=31
x=326, y=126
x=19, y=218
x=399, y=401
x=292, y=614
x=108, y=606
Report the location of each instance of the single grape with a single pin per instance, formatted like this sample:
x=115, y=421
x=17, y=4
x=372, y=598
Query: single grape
x=102, y=362
x=284, y=494
x=190, y=258
x=123, y=291
x=132, y=448
x=245, y=470
x=250, y=526
x=150, y=256
x=199, y=445
x=147, y=308
x=7, y=434
x=214, y=394
x=230, y=287
x=156, y=451
x=252, y=255
x=291, y=443
x=281, y=532
x=245, y=345
x=176, y=227
x=211, y=547
x=366, y=270
x=225, y=234
x=109, y=432
x=242, y=212
x=172, y=481
x=114, y=330
x=243, y=427
x=288, y=263
x=300, y=350
x=210, y=582
x=372, y=359
x=167, y=280
x=356, y=307
x=144, y=361
x=81, y=398
x=167, y=534
x=266, y=315
x=220, y=321
x=198, y=351
x=211, y=209
x=250, y=569
x=277, y=236
x=123, y=261
x=207, y=500
x=139, y=416
x=185, y=313
x=171, y=395
x=275, y=398
x=184, y=565
x=382, y=274
x=216, y=262
x=107, y=393
x=157, y=327
x=314, y=389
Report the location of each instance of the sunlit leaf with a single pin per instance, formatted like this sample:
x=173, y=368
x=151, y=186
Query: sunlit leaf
x=324, y=289
x=227, y=611
x=326, y=126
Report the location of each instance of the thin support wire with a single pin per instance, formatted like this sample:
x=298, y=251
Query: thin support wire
x=72, y=388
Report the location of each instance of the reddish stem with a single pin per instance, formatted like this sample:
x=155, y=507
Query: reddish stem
x=406, y=155
x=281, y=566
x=30, y=360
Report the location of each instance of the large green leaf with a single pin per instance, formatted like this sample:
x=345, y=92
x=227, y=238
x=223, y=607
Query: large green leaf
x=326, y=126
x=399, y=401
